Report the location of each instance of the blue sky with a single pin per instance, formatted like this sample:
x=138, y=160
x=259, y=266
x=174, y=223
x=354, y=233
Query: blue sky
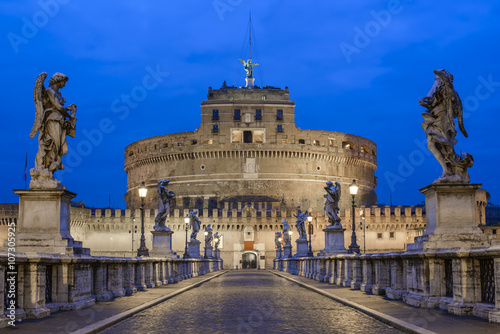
x=355, y=67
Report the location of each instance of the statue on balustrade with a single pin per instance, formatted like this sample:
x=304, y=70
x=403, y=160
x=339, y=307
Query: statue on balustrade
x=165, y=203
x=300, y=223
x=195, y=223
x=443, y=107
x=332, y=202
x=54, y=121
x=209, y=236
x=217, y=238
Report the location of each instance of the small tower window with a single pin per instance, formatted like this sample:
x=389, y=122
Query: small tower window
x=279, y=115
x=258, y=115
x=237, y=114
x=247, y=137
x=302, y=141
x=215, y=115
x=215, y=128
x=279, y=128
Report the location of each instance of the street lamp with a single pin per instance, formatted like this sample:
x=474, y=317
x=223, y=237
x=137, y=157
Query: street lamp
x=216, y=241
x=353, y=189
x=364, y=227
x=309, y=219
x=132, y=231
x=186, y=253
x=206, y=234
x=279, y=240
x=291, y=247
x=142, y=251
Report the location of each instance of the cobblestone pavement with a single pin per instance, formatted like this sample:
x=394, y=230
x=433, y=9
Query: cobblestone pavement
x=250, y=301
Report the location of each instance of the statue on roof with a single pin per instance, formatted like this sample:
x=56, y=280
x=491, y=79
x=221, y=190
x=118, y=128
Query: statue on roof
x=443, y=107
x=54, y=121
x=248, y=67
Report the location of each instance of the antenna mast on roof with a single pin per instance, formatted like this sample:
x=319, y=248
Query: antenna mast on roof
x=248, y=65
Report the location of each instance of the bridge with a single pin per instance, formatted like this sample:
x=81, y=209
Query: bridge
x=253, y=301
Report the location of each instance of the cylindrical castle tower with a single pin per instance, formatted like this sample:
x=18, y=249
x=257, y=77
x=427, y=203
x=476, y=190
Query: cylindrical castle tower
x=248, y=148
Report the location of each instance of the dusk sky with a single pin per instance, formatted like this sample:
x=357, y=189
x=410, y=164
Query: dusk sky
x=351, y=66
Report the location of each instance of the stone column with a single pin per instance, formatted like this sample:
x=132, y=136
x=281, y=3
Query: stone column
x=494, y=316
x=140, y=276
x=347, y=279
x=115, y=278
x=34, y=291
x=357, y=273
x=339, y=272
x=149, y=278
x=129, y=277
x=367, y=284
x=101, y=293
x=395, y=291
x=466, y=285
x=382, y=276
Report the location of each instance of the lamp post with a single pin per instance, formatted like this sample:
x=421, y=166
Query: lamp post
x=142, y=251
x=132, y=231
x=216, y=241
x=309, y=219
x=353, y=189
x=291, y=247
x=206, y=233
x=186, y=253
x=364, y=227
x=279, y=240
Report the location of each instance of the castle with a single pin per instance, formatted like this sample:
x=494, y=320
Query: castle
x=245, y=170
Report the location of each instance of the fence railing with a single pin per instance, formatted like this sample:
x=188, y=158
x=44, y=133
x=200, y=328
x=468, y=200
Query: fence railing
x=460, y=282
x=38, y=285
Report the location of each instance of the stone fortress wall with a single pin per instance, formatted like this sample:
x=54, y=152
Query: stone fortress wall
x=106, y=232
x=248, y=145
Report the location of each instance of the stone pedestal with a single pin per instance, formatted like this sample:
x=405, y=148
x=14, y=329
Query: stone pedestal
x=44, y=222
x=302, y=248
x=194, y=249
x=162, y=244
x=334, y=241
x=451, y=217
x=279, y=253
x=287, y=250
x=209, y=252
x=249, y=82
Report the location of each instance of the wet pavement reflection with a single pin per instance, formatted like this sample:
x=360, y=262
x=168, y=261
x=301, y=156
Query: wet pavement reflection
x=250, y=301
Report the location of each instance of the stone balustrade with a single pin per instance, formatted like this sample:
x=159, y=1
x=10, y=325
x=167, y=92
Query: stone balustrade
x=46, y=284
x=460, y=282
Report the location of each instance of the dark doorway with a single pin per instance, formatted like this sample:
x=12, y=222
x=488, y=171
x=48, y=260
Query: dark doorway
x=249, y=261
x=247, y=137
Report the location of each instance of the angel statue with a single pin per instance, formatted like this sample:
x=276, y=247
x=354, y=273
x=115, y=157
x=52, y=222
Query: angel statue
x=332, y=202
x=208, y=236
x=300, y=223
x=217, y=238
x=248, y=67
x=165, y=199
x=195, y=223
x=54, y=122
x=443, y=106
x=277, y=240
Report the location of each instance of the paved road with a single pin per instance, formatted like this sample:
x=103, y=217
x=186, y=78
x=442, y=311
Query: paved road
x=250, y=301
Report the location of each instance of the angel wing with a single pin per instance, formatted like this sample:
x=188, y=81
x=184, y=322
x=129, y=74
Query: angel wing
x=337, y=190
x=453, y=102
x=38, y=97
x=243, y=62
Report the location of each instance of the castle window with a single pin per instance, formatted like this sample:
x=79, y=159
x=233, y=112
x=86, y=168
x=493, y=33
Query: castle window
x=210, y=141
x=215, y=115
x=316, y=142
x=247, y=137
x=302, y=141
x=258, y=115
x=186, y=202
x=258, y=137
x=279, y=115
x=331, y=142
x=391, y=235
x=364, y=149
x=237, y=136
x=215, y=128
x=379, y=235
x=165, y=145
x=194, y=142
x=347, y=145
x=279, y=128
x=237, y=115
x=374, y=153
